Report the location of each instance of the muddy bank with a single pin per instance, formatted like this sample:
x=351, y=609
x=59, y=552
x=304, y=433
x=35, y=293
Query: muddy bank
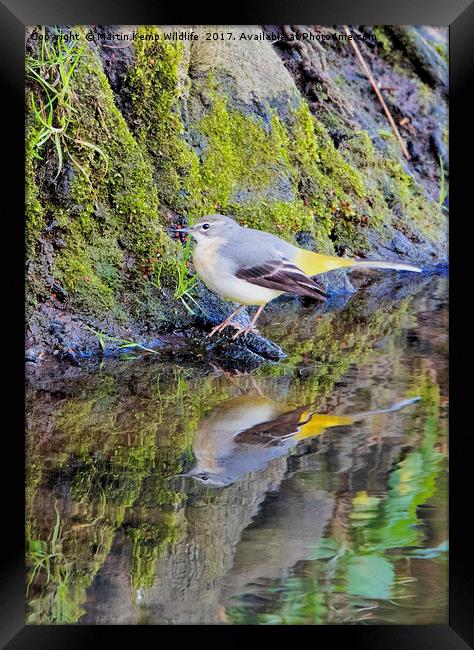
x=156, y=133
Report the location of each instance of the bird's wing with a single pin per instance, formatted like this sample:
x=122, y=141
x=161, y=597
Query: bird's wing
x=275, y=431
x=282, y=275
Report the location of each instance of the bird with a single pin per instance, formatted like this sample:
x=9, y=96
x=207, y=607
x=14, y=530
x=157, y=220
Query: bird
x=252, y=267
x=243, y=434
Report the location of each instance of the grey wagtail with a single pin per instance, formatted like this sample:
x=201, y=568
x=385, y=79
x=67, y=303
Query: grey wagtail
x=243, y=434
x=252, y=267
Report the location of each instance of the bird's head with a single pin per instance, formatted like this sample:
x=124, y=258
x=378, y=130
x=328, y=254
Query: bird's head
x=210, y=227
x=207, y=478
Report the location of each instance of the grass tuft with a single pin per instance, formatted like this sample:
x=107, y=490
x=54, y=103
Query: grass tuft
x=53, y=101
x=185, y=282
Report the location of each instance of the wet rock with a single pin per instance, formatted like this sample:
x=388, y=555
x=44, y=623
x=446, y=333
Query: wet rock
x=62, y=186
x=57, y=330
x=117, y=55
x=395, y=246
x=400, y=244
x=31, y=356
x=71, y=357
x=60, y=291
x=426, y=60
x=249, y=349
x=336, y=283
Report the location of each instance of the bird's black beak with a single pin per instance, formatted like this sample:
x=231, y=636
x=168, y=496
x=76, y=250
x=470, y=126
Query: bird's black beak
x=183, y=230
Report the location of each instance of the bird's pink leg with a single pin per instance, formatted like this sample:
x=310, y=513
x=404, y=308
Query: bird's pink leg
x=225, y=323
x=251, y=325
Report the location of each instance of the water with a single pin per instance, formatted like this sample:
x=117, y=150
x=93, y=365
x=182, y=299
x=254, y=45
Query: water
x=164, y=492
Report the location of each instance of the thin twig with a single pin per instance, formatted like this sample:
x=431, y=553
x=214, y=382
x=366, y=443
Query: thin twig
x=377, y=92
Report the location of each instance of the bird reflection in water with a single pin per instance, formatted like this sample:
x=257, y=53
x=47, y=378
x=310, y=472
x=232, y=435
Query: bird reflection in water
x=244, y=433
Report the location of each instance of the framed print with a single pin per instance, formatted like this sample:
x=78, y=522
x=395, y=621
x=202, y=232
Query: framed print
x=238, y=263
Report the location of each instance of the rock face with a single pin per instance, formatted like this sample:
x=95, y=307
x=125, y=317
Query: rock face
x=236, y=58
x=287, y=137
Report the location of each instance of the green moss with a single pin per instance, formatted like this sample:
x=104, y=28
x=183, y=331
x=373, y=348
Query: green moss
x=81, y=274
x=243, y=157
x=315, y=154
x=360, y=152
x=281, y=217
x=112, y=196
x=241, y=154
x=155, y=93
x=442, y=51
x=148, y=542
x=338, y=194
x=384, y=42
x=332, y=188
x=395, y=196
x=33, y=209
x=418, y=210
x=34, y=225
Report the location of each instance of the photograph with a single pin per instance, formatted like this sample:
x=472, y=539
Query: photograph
x=236, y=324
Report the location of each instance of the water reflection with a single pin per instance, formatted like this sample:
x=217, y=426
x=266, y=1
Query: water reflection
x=243, y=434
x=324, y=491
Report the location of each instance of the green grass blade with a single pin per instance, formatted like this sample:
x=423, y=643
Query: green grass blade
x=57, y=142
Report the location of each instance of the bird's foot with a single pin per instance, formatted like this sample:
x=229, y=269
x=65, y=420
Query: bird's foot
x=223, y=325
x=245, y=330
x=217, y=328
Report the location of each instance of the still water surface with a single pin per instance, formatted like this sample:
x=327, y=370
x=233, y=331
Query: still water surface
x=312, y=491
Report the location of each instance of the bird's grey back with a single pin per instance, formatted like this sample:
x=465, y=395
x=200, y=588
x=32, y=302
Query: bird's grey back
x=250, y=247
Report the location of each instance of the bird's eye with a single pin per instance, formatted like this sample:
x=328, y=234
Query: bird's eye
x=205, y=226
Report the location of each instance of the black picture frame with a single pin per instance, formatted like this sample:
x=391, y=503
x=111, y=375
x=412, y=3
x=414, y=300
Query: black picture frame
x=459, y=15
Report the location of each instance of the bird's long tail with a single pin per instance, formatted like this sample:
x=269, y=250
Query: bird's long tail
x=372, y=264
x=315, y=263
x=312, y=424
x=396, y=407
